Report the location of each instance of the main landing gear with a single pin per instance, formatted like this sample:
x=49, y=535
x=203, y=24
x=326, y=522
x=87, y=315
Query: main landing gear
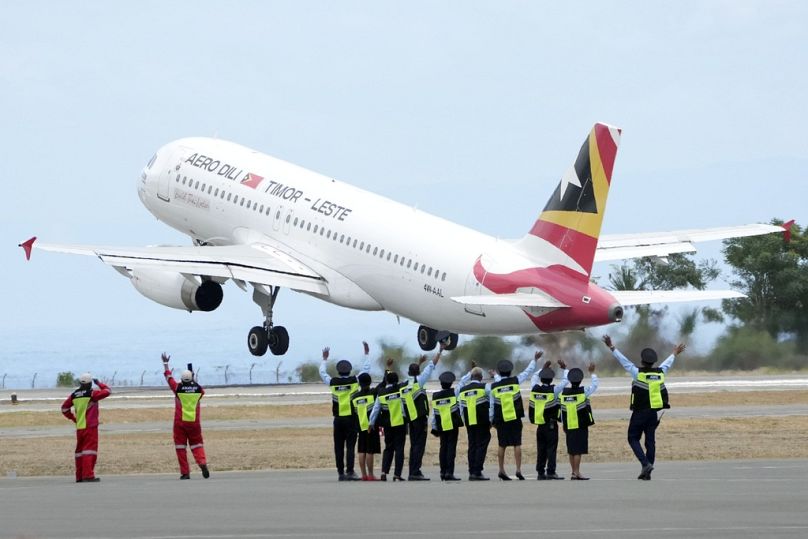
x=428, y=338
x=276, y=338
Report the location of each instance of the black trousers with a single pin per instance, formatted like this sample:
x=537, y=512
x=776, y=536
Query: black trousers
x=643, y=422
x=479, y=436
x=547, y=445
x=344, y=443
x=417, y=443
x=394, y=438
x=448, y=451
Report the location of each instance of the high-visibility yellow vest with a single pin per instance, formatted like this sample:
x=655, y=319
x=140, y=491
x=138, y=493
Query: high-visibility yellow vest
x=575, y=410
x=392, y=407
x=470, y=400
x=505, y=405
x=342, y=389
x=189, y=400
x=81, y=403
x=541, y=400
x=362, y=404
x=447, y=410
x=415, y=399
x=648, y=390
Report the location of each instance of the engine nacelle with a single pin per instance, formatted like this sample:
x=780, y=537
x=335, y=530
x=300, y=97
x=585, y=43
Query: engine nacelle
x=177, y=291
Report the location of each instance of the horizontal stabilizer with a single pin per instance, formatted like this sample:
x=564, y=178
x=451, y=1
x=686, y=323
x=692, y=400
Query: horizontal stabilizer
x=622, y=246
x=644, y=297
x=518, y=299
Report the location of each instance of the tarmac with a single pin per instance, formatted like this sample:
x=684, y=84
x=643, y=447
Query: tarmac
x=738, y=499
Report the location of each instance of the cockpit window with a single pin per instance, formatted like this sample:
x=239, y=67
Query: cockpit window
x=151, y=161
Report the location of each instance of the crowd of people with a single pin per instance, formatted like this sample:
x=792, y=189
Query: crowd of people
x=400, y=407
x=397, y=408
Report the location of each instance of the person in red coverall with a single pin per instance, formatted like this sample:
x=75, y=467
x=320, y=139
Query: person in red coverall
x=85, y=401
x=187, y=427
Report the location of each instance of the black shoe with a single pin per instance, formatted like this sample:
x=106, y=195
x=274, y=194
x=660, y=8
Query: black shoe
x=541, y=477
x=481, y=477
x=418, y=477
x=519, y=476
x=450, y=478
x=554, y=476
x=383, y=477
x=442, y=476
x=342, y=477
x=78, y=480
x=398, y=478
x=352, y=477
x=503, y=476
x=645, y=474
x=91, y=480
x=205, y=471
x=185, y=476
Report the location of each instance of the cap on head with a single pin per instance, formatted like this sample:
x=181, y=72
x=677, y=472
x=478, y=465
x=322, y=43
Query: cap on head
x=344, y=367
x=86, y=378
x=575, y=375
x=546, y=375
x=414, y=369
x=392, y=378
x=363, y=379
x=648, y=356
x=187, y=376
x=447, y=377
x=505, y=367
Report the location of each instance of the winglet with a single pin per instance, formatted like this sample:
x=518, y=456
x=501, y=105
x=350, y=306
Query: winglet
x=787, y=233
x=29, y=244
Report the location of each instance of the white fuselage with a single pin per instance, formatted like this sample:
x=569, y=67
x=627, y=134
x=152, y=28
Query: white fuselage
x=373, y=252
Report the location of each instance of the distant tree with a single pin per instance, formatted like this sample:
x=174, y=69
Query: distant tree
x=773, y=274
x=486, y=351
x=576, y=348
x=747, y=348
x=308, y=371
x=66, y=379
x=398, y=352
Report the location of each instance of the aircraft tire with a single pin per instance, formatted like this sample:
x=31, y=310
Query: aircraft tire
x=278, y=340
x=257, y=341
x=453, y=340
x=427, y=338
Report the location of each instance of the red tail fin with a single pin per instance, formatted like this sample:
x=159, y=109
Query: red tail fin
x=572, y=218
x=27, y=246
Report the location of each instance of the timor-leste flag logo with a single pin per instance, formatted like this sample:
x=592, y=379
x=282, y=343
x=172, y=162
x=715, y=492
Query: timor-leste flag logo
x=252, y=180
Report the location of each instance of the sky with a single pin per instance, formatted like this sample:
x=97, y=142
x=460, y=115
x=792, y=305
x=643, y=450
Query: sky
x=468, y=110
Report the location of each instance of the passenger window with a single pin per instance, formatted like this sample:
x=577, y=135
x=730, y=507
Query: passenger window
x=354, y=244
x=395, y=259
x=278, y=214
x=184, y=179
x=248, y=204
x=443, y=278
x=288, y=218
x=322, y=230
x=415, y=267
x=315, y=228
x=429, y=273
x=216, y=193
x=423, y=268
x=381, y=254
x=362, y=246
x=388, y=256
x=203, y=187
x=228, y=197
x=308, y=227
x=261, y=209
x=409, y=264
x=375, y=250
x=295, y=224
x=342, y=238
x=196, y=185
x=328, y=235
x=368, y=248
x=242, y=201
x=178, y=178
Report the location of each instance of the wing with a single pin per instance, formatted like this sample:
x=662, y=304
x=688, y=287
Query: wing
x=257, y=263
x=622, y=246
x=644, y=297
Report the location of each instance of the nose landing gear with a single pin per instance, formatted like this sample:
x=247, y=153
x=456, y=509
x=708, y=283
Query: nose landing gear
x=276, y=338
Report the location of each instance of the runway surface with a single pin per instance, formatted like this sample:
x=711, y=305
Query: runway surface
x=738, y=499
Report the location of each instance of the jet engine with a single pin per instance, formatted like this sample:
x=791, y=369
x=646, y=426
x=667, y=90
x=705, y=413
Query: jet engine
x=177, y=291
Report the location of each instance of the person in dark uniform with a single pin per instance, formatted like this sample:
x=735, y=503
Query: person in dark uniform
x=473, y=395
x=648, y=396
x=576, y=417
x=543, y=411
x=343, y=388
x=369, y=441
x=416, y=408
x=506, y=412
x=388, y=412
x=446, y=423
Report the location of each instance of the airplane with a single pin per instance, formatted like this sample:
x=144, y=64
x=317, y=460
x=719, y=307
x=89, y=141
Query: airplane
x=267, y=224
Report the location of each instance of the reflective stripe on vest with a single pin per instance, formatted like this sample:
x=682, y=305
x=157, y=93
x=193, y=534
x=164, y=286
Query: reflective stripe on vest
x=391, y=403
x=538, y=402
x=362, y=404
x=470, y=398
x=189, y=402
x=571, y=405
x=409, y=393
x=81, y=404
x=505, y=395
x=342, y=395
x=445, y=407
x=653, y=382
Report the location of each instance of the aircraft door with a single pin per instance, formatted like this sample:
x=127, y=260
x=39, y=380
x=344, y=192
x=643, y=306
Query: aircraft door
x=164, y=179
x=276, y=221
x=473, y=288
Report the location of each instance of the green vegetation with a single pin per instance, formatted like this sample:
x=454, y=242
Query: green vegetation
x=66, y=379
